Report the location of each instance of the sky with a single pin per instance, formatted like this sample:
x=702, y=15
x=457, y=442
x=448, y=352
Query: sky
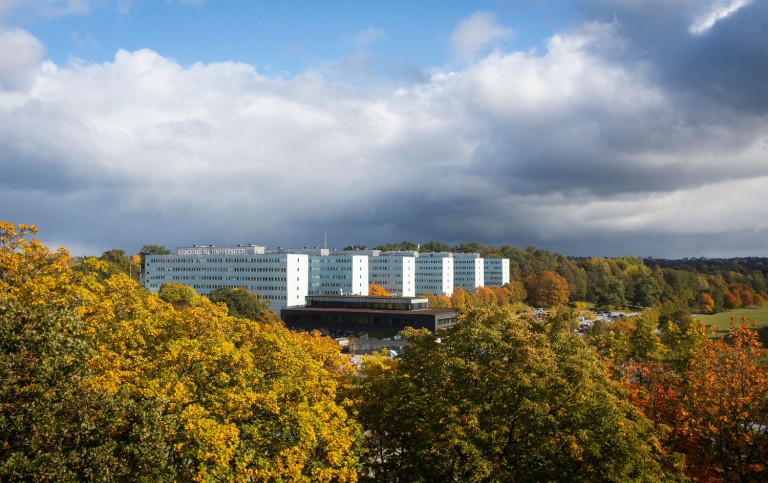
x=584, y=127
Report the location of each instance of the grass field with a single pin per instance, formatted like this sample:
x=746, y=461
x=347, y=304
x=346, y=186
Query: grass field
x=721, y=320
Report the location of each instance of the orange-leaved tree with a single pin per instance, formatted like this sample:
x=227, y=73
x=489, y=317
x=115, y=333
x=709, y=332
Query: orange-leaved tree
x=547, y=289
x=377, y=291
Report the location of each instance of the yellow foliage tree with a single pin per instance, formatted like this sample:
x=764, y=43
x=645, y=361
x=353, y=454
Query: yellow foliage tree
x=228, y=399
x=245, y=400
x=378, y=291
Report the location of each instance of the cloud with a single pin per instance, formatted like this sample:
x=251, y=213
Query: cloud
x=594, y=146
x=476, y=32
x=719, y=11
x=20, y=54
x=368, y=36
x=46, y=8
x=727, y=63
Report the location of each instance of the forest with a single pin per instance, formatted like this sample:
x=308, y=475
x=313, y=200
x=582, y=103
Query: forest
x=102, y=381
x=541, y=278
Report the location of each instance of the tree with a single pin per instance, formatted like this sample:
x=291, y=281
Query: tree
x=402, y=246
x=243, y=400
x=151, y=250
x=117, y=262
x=54, y=424
x=434, y=247
x=705, y=302
x=604, y=287
x=437, y=301
x=746, y=299
x=102, y=381
x=547, y=289
x=515, y=292
x=646, y=289
x=484, y=296
x=730, y=302
x=177, y=294
x=713, y=408
x=377, y=291
x=458, y=297
x=240, y=302
x=501, y=398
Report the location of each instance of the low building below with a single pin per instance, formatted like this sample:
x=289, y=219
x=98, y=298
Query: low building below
x=360, y=318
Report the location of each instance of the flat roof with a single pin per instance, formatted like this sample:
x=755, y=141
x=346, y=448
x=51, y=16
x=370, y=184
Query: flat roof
x=432, y=311
x=367, y=298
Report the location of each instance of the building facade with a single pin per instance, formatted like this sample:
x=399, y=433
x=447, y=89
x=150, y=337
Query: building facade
x=282, y=278
x=434, y=273
x=376, y=317
x=286, y=276
x=468, y=271
x=395, y=272
x=496, y=272
x=338, y=274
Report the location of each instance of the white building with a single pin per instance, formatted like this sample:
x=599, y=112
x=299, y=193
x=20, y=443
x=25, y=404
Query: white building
x=394, y=271
x=496, y=272
x=286, y=276
x=434, y=273
x=282, y=278
x=338, y=274
x=468, y=271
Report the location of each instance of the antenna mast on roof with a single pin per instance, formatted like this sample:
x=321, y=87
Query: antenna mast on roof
x=325, y=244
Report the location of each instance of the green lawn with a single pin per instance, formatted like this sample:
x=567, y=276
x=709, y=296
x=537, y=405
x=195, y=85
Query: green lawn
x=721, y=320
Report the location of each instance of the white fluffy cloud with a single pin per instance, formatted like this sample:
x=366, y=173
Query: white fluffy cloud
x=20, y=54
x=476, y=32
x=573, y=149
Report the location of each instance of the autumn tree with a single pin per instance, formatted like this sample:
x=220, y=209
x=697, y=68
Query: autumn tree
x=377, y=291
x=730, y=302
x=102, y=381
x=547, y=289
x=437, y=301
x=515, y=292
x=727, y=408
x=500, y=398
x=54, y=424
x=458, y=297
x=705, y=302
x=714, y=408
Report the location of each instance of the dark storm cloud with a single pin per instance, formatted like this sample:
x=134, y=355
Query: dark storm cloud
x=726, y=63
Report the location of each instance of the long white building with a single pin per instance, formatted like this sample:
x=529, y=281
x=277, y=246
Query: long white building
x=282, y=278
x=286, y=276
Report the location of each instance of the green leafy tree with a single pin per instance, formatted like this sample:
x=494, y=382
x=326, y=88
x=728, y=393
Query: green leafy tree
x=240, y=302
x=500, y=398
x=646, y=289
x=177, y=294
x=152, y=250
x=434, y=247
x=402, y=246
